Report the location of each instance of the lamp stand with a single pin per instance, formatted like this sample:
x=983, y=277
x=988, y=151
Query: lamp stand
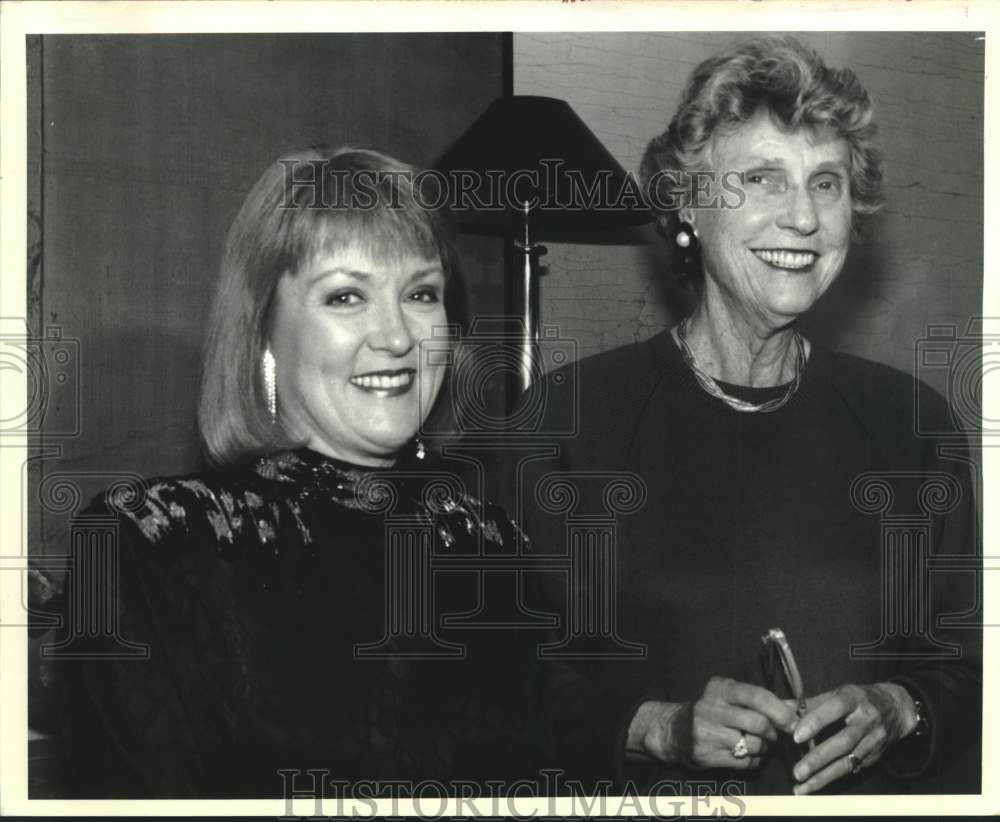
x=529, y=254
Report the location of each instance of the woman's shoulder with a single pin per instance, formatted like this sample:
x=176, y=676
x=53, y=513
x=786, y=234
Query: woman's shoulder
x=603, y=392
x=882, y=394
x=219, y=504
x=628, y=362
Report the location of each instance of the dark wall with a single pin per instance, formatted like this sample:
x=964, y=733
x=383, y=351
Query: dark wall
x=144, y=147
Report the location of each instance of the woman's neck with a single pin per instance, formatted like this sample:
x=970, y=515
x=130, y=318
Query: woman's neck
x=741, y=350
x=358, y=460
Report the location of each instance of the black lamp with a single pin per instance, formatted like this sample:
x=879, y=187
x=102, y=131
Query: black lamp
x=529, y=167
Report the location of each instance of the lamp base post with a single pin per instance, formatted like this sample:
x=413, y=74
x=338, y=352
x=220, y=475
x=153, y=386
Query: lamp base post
x=528, y=254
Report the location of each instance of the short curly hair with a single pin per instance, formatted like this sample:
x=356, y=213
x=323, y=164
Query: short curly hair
x=795, y=86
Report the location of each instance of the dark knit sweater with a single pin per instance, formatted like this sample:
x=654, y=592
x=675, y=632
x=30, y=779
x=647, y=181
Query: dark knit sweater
x=749, y=524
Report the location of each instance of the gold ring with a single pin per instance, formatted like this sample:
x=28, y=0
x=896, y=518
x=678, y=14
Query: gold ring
x=854, y=762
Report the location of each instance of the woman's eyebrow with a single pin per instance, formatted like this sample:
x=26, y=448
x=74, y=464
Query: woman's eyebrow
x=353, y=273
x=424, y=273
x=768, y=162
x=829, y=166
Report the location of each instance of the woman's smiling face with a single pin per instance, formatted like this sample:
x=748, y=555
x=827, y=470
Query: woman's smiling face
x=345, y=338
x=777, y=253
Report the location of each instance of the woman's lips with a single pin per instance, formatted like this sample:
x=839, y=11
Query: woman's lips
x=385, y=383
x=783, y=258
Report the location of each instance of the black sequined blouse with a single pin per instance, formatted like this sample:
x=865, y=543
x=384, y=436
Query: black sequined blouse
x=282, y=608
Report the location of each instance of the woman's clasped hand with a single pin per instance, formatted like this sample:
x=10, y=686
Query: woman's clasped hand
x=728, y=726
x=736, y=724
x=874, y=717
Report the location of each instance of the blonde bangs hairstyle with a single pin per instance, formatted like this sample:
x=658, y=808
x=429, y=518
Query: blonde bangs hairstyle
x=306, y=202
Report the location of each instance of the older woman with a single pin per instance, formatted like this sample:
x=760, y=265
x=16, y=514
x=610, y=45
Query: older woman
x=262, y=587
x=749, y=440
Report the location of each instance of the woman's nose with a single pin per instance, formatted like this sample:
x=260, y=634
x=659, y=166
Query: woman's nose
x=391, y=332
x=799, y=213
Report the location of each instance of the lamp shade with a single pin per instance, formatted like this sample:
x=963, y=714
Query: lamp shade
x=537, y=149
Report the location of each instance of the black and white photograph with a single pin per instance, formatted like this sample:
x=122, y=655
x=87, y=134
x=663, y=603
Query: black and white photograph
x=414, y=409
